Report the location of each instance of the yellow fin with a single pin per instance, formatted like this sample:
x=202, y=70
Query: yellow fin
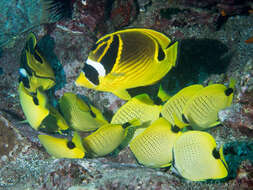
x=78, y=141
x=144, y=98
x=99, y=116
x=160, y=37
x=83, y=81
x=81, y=104
x=171, y=52
x=222, y=157
x=162, y=94
x=122, y=94
x=215, y=124
x=179, y=123
x=135, y=122
x=42, y=97
x=60, y=121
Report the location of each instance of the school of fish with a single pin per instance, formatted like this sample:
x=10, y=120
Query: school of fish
x=167, y=135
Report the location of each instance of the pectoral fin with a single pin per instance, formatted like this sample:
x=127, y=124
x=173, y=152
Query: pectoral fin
x=122, y=94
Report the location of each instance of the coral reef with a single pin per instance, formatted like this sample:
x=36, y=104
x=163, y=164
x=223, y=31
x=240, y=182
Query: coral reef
x=240, y=115
x=123, y=13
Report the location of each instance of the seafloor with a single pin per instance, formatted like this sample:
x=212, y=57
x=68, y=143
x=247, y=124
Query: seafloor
x=24, y=163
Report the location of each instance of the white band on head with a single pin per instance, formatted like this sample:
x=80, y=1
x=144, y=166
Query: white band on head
x=98, y=66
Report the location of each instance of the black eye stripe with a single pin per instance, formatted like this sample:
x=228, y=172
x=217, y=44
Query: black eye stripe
x=91, y=74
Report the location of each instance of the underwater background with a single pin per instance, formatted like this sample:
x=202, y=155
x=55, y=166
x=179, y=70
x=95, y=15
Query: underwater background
x=215, y=45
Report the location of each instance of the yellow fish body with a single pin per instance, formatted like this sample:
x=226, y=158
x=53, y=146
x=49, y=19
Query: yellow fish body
x=104, y=140
x=127, y=59
x=175, y=105
x=34, y=107
x=54, y=122
x=139, y=107
x=39, y=114
x=63, y=148
x=196, y=158
x=34, y=69
x=153, y=147
x=201, y=111
x=79, y=115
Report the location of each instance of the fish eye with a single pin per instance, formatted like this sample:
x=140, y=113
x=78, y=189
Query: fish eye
x=229, y=91
x=91, y=73
x=71, y=145
x=37, y=57
x=216, y=153
x=35, y=101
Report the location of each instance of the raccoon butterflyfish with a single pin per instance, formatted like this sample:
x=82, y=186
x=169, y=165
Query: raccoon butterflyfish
x=34, y=70
x=62, y=147
x=195, y=157
x=80, y=115
x=201, y=111
x=175, y=105
x=107, y=138
x=153, y=147
x=127, y=59
x=33, y=106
